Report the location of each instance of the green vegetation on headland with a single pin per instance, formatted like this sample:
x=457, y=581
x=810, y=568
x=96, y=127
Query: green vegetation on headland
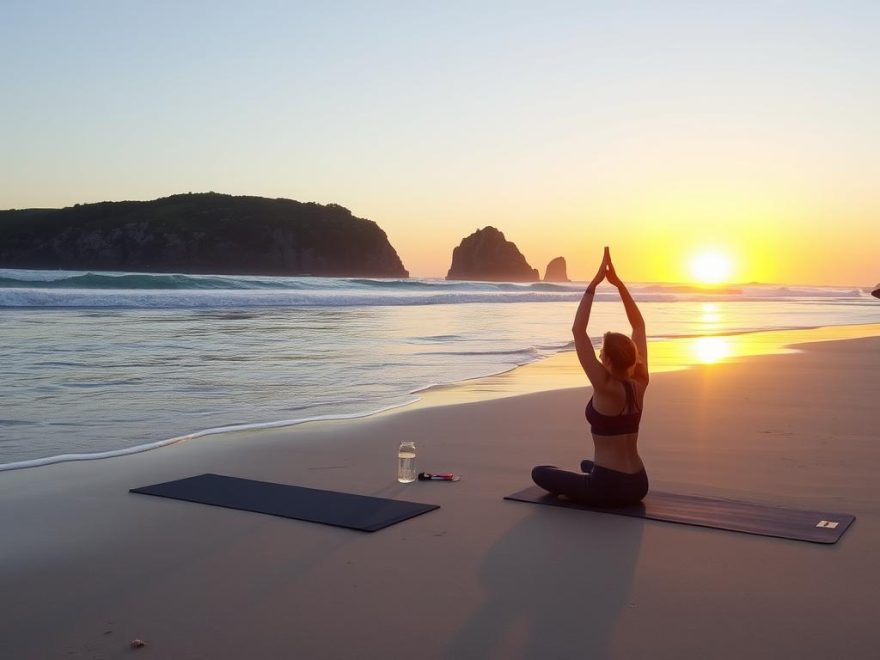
x=199, y=233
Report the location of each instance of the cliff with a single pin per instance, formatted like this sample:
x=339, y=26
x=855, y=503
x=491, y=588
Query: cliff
x=487, y=255
x=199, y=233
x=556, y=271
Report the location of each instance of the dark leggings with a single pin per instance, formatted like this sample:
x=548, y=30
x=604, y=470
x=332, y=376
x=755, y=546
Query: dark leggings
x=597, y=486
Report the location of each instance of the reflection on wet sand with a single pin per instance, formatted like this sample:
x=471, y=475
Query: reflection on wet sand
x=709, y=350
x=563, y=370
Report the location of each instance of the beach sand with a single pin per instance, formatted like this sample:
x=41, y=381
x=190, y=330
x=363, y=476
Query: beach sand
x=86, y=567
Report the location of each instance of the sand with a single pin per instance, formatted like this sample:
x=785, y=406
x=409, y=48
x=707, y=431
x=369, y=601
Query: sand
x=86, y=567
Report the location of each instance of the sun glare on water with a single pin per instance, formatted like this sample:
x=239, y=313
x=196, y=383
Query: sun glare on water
x=711, y=267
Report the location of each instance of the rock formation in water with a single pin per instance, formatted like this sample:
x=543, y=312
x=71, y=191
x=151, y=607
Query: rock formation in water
x=200, y=233
x=556, y=271
x=876, y=291
x=486, y=255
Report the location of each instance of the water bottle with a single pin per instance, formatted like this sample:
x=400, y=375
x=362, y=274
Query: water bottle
x=406, y=462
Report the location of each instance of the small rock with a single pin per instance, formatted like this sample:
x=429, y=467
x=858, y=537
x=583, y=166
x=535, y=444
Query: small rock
x=137, y=643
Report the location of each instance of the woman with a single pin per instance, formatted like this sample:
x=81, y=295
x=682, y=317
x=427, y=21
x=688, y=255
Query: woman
x=619, y=377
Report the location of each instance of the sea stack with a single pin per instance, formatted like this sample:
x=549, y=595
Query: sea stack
x=556, y=271
x=487, y=256
x=876, y=291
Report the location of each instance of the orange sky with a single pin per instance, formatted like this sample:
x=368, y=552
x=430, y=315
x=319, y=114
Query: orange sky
x=657, y=238
x=659, y=129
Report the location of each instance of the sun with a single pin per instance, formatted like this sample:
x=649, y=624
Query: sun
x=711, y=267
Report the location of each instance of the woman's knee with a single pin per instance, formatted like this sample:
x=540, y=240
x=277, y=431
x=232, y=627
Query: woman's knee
x=540, y=474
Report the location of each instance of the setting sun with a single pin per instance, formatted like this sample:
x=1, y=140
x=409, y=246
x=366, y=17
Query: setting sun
x=711, y=267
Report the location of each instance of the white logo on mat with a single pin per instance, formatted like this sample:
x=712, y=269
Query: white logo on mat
x=827, y=524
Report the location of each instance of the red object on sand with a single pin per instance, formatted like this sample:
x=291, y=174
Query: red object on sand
x=445, y=476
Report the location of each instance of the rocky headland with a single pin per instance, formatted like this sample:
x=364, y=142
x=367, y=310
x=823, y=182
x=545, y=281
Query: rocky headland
x=200, y=233
x=486, y=255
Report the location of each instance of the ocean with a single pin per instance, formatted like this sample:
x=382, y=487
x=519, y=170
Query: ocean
x=103, y=364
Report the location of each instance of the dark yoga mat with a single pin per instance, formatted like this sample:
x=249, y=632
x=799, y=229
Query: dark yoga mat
x=321, y=506
x=813, y=526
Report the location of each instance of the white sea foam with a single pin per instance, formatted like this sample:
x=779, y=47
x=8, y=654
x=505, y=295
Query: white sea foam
x=23, y=288
x=92, y=372
x=92, y=456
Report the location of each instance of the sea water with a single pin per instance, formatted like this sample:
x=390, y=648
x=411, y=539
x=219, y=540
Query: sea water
x=100, y=364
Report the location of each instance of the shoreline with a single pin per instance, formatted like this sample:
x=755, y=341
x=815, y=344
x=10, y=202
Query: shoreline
x=558, y=371
x=562, y=370
x=479, y=577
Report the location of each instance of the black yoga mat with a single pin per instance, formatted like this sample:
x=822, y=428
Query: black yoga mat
x=795, y=524
x=329, y=507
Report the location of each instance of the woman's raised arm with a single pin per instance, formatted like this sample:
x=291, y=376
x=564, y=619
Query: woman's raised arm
x=585, y=352
x=633, y=315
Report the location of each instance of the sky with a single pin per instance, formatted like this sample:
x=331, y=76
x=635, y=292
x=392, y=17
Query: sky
x=669, y=131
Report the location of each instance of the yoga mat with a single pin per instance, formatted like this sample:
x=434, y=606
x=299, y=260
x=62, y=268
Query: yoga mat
x=734, y=516
x=328, y=507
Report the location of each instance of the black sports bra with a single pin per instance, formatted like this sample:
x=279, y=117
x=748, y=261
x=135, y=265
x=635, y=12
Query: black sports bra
x=620, y=424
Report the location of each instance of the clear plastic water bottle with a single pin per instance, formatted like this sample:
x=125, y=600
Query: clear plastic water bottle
x=406, y=462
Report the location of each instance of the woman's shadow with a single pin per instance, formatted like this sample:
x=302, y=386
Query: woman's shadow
x=557, y=584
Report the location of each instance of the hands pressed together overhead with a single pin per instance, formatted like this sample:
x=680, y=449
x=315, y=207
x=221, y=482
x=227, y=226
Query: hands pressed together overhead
x=606, y=271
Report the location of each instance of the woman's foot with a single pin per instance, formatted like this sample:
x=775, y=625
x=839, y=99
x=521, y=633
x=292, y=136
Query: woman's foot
x=586, y=466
